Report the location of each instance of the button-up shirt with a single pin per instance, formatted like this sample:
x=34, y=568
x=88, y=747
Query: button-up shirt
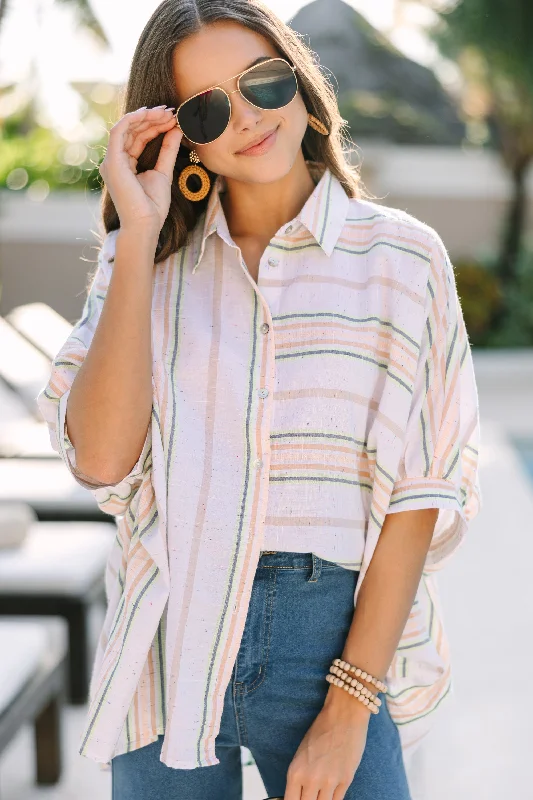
x=293, y=413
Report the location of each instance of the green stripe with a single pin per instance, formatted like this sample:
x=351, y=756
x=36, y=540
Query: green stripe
x=326, y=210
x=319, y=478
x=357, y=320
x=104, y=692
x=431, y=710
x=422, y=497
x=382, y=244
x=301, y=353
x=245, y=498
x=321, y=434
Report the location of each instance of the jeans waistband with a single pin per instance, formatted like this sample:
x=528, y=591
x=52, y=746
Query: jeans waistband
x=292, y=559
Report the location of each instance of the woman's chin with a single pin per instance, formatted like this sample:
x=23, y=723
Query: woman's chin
x=268, y=169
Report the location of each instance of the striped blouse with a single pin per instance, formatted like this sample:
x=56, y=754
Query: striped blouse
x=293, y=413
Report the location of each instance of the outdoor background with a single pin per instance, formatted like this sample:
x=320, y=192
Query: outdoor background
x=439, y=98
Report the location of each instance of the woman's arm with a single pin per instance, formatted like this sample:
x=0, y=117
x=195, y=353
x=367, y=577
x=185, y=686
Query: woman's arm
x=332, y=748
x=110, y=400
x=384, y=602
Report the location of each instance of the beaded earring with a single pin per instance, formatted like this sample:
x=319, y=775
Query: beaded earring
x=194, y=169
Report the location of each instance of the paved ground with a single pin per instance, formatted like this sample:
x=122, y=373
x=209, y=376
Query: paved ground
x=480, y=747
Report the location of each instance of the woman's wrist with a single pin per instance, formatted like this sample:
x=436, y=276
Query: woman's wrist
x=343, y=707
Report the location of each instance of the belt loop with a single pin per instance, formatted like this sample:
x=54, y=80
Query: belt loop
x=317, y=566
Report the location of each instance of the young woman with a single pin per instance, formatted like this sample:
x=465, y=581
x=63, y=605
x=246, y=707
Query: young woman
x=271, y=387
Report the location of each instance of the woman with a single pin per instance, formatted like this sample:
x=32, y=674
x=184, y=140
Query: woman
x=271, y=387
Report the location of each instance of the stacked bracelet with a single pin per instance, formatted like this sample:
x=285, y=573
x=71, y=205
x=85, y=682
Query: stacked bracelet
x=357, y=685
x=359, y=673
x=354, y=692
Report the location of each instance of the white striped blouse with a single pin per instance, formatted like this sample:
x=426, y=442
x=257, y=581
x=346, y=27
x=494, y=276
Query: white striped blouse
x=293, y=413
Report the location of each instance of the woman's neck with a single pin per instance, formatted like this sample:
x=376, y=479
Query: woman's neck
x=258, y=210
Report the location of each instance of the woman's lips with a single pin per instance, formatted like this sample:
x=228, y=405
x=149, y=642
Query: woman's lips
x=262, y=147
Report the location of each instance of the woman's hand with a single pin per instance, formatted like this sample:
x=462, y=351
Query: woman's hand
x=325, y=763
x=141, y=199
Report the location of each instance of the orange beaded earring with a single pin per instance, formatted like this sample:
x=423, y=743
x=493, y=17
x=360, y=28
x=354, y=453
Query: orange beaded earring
x=194, y=169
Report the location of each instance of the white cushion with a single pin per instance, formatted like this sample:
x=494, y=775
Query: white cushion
x=26, y=643
x=58, y=558
x=46, y=481
x=15, y=521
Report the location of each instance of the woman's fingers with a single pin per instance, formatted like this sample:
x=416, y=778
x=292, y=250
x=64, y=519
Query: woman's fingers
x=138, y=141
x=123, y=133
x=154, y=117
x=169, y=151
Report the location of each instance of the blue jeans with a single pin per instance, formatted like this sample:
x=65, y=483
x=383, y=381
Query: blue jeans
x=298, y=620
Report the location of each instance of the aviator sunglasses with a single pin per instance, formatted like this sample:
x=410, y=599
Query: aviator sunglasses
x=269, y=85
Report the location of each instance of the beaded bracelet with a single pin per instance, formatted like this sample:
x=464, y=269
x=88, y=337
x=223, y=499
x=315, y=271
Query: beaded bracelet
x=359, y=673
x=344, y=676
x=354, y=692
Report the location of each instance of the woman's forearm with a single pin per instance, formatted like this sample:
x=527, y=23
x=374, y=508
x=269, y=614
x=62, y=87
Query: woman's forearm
x=386, y=598
x=110, y=401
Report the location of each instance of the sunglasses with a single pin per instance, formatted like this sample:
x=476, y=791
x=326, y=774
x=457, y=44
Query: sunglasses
x=270, y=85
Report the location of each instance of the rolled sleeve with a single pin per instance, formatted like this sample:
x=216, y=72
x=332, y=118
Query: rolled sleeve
x=53, y=398
x=439, y=464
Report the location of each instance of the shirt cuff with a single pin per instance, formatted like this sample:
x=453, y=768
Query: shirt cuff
x=455, y=512
x=68, y=453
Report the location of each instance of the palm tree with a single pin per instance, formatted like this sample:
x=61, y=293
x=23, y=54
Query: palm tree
x=83, y=13
x=491, y=42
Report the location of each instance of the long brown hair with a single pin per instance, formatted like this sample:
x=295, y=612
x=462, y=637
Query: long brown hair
x=151, y=83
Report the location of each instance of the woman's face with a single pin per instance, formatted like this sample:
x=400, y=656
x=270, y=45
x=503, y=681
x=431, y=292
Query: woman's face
x=209, y=58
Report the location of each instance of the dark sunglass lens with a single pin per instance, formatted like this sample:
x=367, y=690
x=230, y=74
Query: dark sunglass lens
x=205, y=117
x=270, y=85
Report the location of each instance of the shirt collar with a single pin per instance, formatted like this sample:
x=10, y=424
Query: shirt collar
x=323, y=214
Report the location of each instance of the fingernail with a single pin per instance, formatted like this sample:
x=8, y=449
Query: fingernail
x=162, y=106
x=142, y=108
x=172, y=108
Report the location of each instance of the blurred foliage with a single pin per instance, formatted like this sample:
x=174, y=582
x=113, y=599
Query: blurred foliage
x=40, y=154
x=497, y=313
x=490, y=40
x=514, y=326
x=481, y=298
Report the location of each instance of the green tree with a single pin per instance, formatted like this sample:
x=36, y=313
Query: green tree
x=491, y=42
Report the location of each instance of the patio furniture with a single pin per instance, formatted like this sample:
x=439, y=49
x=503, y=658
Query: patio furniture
x=49, y=488
x=22, y=366
x=32, y=681
x=30, y=470
x=59, y=570
x=42, y=326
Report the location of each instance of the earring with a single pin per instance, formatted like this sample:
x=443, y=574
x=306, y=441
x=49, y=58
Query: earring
x=194, y=169
x=317, y=125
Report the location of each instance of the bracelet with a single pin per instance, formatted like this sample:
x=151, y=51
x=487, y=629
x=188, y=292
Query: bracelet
x=354, y=692
x=344, y=676
x=359, y=673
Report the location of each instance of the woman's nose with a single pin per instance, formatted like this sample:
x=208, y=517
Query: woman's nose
x=243, y=112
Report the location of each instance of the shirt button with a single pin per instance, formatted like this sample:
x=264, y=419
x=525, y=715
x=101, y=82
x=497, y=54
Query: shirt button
x=288, y=229
x=258, y=463
x=273, y=262
x=265, y=327
x=263, y=392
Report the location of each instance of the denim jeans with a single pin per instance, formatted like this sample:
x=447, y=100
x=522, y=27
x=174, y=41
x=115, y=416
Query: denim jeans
x=300, y=612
